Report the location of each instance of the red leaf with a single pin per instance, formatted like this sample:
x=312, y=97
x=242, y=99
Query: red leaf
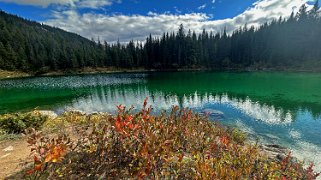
x=36, y=160
x=120, y=108
x=118, y=124
x=137, y=127
x=29, y=172
x=145, y=102
x=130, y=118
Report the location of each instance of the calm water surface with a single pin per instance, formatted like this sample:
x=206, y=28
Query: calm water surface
x=282, y=108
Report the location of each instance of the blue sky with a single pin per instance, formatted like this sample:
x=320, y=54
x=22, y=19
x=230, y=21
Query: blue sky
x=134, y=19
x=218, y=9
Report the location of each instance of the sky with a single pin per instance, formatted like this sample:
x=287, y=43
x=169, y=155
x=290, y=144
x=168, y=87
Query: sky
x=126, y=20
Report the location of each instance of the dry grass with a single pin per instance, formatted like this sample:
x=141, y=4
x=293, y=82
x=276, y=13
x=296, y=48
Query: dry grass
x=12, y=74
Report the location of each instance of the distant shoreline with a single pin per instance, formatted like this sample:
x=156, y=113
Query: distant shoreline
x=4, y=74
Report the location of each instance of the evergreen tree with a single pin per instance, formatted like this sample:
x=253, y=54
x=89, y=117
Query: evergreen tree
x=303, y=13
x=282, y=43
x=314, y=12
x=10, y=58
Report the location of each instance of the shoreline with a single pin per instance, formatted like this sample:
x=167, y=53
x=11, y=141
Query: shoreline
x=5, y=74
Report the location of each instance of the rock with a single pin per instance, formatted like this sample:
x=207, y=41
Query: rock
x=271, y=136
x=7, y=149
x=6, y=155
x=275, y=146
x=275, y=152
x=99, y=113
x=280, y=157
x=79, y=112
x=50, y=114
x=212, y=112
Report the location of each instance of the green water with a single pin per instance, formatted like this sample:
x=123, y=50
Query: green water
x=283, y=108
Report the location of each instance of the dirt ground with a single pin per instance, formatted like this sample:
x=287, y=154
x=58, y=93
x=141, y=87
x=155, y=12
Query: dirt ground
x=12, y=74
x=13, y=160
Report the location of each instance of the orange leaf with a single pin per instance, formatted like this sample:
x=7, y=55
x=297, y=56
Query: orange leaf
x=48, y=158
x=38, y=167
x=144, y=150
x=55, y=154
x=141, y=175
x=224, y=140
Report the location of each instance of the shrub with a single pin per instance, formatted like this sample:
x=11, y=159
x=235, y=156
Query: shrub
x=18, y=122
x=175, y=145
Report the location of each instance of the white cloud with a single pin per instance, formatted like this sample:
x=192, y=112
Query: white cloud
x=137, y=27
x=213, y=1
x=202, y=7
x=123, y=27
x=94, y=4
x=177, y=10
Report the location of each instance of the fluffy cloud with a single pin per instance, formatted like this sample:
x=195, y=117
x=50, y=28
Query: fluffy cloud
x=202, y=7
x=94, y=4
x=266, y=10
x=137, y=27
x=124, y=28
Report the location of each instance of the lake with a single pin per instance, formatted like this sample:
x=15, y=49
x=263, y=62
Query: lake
x=276, y=108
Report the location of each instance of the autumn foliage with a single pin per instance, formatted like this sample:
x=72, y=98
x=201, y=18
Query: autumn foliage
x=173, y=145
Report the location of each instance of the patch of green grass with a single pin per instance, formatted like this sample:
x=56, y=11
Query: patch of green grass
x=10, y=137
x=18, y=122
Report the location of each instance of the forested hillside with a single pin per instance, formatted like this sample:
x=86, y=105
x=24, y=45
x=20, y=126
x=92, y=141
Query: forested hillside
x=284, y=43
x=29, y=46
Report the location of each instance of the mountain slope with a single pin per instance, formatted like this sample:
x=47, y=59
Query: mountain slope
x=27, y=45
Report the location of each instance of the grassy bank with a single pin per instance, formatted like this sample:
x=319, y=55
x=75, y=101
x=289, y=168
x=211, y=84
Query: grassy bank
x=4, y=74
x=174, y=145
x=12, y=74
x=88, y=70
x=17, y=74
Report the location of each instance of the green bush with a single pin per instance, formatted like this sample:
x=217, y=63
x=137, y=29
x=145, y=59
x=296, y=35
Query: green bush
x=237, y=135
x=18, y=122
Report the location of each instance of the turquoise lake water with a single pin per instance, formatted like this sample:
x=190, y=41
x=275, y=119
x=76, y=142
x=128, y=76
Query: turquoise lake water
x=276, y=108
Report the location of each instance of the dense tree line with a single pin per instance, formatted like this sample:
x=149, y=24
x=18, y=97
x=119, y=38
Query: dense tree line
x=284, y=43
